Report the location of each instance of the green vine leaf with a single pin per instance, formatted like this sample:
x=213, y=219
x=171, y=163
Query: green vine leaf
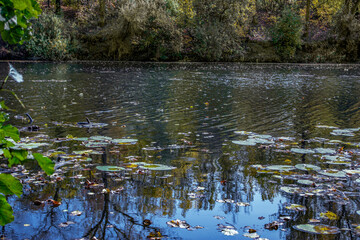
x=45, y=163
x=11, y=131
x=10, y=185
x=6, y=212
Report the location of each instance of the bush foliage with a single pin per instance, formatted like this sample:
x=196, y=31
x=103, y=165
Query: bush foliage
x=286, y=34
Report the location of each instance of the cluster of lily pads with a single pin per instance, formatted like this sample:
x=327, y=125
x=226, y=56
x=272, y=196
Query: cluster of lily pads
x=334, y=175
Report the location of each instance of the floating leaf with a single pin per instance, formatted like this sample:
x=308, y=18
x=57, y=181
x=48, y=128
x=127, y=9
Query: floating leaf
x=306, y=182
x=93, y=144
x=109, y=168
x=329, y=215
x=178, y=223
x=307, y=167
x=352, y=171
x=251, y=235
x=245, y=143
x=152, y=166
x=30, y=145
x=317, y=229
x=124, y=141
x=296, y=207
x=280, y=167
x=325, y=150
x=302, y=150
x=333, y=173
x=344, y=132
x=76, y=213
x=100, y=138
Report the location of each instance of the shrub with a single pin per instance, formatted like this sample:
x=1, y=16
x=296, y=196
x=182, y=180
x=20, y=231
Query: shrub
x=52, y=39
x=286, y=34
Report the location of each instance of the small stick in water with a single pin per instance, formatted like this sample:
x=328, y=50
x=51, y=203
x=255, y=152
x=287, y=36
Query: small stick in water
x=30, y=118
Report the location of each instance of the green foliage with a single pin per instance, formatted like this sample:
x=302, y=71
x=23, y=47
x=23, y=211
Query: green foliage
x=52, y=39
x=286, y=34
x=45, y=163
x=15, y=18
x=6, y=212
x=9, y=185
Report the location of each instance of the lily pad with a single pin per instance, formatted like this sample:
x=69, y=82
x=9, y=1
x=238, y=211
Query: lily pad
x=93, y=144
x=352, y=171
x=83, y=139
x=336, y=158
x=317, y=228
x=307, y=167
x=296, y=207
x=245, y=143
x=325, y=150
x=100, y=138
x=302, y=150
x=305, y=182
x=151, y=166
x=291, y=190
x=109, y=168
x=333, y=173
x=280, y=167
x=31, y=145
x=344, y=132
x=124, y=141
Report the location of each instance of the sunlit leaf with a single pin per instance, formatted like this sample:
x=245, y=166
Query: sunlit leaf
x=10, y=185
x=45, y=163
x=329, y=215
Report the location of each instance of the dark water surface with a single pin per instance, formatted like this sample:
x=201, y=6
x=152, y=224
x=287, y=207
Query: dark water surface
x=186, y=116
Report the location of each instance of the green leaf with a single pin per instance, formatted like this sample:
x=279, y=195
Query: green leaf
x=6, y=212
x=10, y=185
x=20, y=154
x=3, y=106
x=12, y=132
x=45, y=163
x=21, y=4
x=7, y=153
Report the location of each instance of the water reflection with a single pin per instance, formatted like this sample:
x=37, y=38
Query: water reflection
x=184, y=115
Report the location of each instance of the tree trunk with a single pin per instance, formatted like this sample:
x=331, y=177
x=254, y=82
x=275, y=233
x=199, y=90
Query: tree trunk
x=307, y=20
x=101, y=13
x=58, y=6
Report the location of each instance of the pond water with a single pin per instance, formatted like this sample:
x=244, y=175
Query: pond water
x=219, y=128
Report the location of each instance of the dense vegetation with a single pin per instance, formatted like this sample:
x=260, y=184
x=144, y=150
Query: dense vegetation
x=196, y=30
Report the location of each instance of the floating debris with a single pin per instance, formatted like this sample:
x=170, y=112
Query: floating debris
x=178, y=223
x=317, y=228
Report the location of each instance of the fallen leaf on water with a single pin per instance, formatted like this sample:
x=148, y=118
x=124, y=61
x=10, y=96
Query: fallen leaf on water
x=65, y=224
x=76, y=213
x=53, y=202
x=251, y=235
x=329, y=215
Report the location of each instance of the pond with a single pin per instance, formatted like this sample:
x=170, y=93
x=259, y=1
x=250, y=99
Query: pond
x=196, y=151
